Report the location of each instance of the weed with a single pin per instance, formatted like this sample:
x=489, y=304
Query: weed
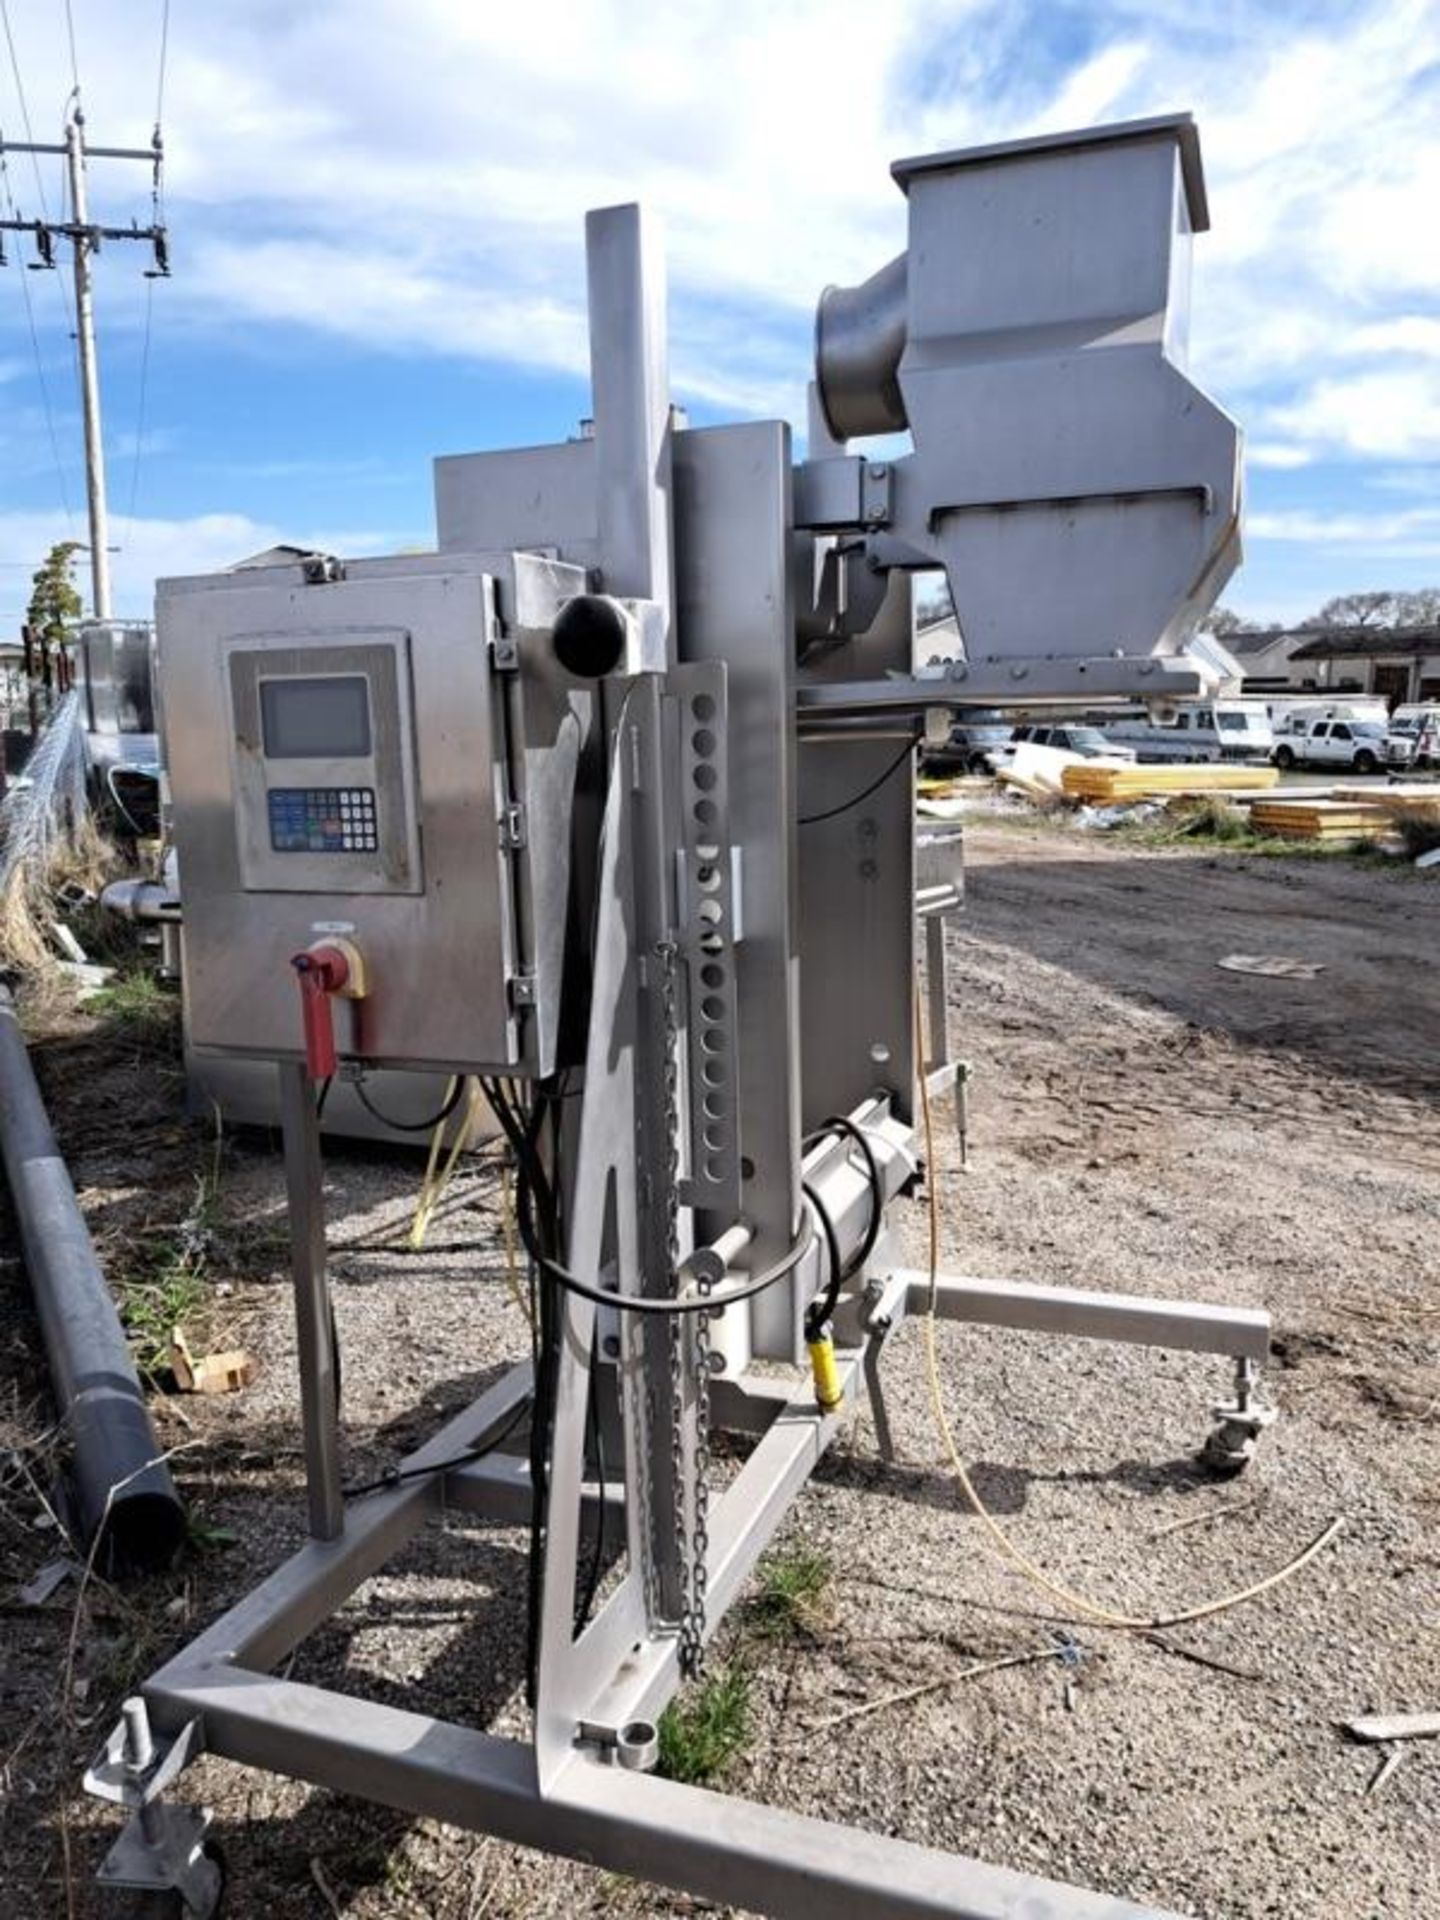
x=701, y=1733
x=207, y=1536
x=138, y=1004
x=153, y=1303
x=795, y=1595
x=1211, y=817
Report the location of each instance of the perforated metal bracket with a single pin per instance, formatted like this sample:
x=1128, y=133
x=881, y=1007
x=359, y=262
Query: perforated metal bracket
x=706, y=915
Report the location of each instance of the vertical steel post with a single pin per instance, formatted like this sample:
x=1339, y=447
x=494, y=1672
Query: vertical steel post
x=630, y=392
x=314, y=1326
x=89, y=370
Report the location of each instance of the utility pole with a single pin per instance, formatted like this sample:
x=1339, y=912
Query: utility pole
x=85, y=242
x=89, y=371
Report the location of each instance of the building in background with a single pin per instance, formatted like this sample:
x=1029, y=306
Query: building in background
x=1399, y=664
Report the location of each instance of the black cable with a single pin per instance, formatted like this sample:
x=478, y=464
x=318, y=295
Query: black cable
x=830, y=813
x=645, y=1303
x=839, y=1123
x=397, y=1476
x=532, y=1183
x=823, y=1305
x=411, y=1126
x=630, y=1302
x=323, y=1095
x=597, y=1551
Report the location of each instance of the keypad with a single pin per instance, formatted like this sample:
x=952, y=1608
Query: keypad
x=323, y=820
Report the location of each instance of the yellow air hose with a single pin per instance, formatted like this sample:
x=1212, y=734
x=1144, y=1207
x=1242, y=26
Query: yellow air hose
x=1093, y=1610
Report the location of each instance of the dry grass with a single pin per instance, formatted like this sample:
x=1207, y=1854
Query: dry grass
x=82, y=860
x=1419, y=829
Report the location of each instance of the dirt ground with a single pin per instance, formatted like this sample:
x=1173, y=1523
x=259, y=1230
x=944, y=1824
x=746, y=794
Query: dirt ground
x=1141, y=1120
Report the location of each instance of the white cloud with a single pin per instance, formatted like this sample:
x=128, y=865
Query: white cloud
x=1393, y=414
x=1409, y=333
x=151, y=549
x=1413, y=532
x=411, y=175
x=1277, y=453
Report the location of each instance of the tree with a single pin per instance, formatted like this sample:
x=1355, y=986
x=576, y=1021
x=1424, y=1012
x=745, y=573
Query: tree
x=1383, y=609
x=1223, y=620
x=54, y=601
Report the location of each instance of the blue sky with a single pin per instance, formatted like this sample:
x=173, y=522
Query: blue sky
x=376, y=210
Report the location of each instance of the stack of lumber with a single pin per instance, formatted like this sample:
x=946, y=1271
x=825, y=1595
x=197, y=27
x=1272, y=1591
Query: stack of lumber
x=1418, y=796
x=1320, y=819
x=1105, y=781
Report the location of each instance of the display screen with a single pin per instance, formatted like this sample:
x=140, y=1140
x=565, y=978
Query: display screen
x=326, y=717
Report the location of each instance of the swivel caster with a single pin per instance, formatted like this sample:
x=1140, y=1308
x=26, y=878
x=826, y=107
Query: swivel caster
x=1238, y=1426
x=162, y=1851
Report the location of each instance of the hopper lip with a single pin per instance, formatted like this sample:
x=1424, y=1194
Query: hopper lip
x=1177, y=126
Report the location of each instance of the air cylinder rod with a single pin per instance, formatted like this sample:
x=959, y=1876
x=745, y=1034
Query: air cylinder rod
x=122, y=1486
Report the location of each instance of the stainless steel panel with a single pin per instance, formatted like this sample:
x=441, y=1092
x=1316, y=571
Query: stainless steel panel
x=734, y=603
x=117, y=670
x=439, y=962
x=857, y=892
x=523, y=497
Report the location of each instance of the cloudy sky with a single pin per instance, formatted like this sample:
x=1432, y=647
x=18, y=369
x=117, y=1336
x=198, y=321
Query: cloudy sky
x=376, y=218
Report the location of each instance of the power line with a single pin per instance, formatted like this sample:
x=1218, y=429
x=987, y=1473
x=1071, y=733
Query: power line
x=39, y=360
x=140, y=404
x=65, y=300
x=74, y=62
x=164, y=50
x=157, y=214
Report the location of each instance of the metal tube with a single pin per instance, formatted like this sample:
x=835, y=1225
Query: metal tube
x=314, y=1327
x=1187, y=1325
x=630, y=383
x=860, y=335
x=141, y=900
x=122, y=1487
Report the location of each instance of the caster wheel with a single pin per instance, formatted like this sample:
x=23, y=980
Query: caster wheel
x=1227, y=1453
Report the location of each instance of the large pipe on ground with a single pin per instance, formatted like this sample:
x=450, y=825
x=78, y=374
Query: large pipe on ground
x=122, y=1487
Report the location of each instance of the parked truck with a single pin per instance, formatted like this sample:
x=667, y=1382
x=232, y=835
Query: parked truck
x=1361, y=746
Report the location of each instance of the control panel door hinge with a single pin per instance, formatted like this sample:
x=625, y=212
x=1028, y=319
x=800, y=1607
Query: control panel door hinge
x=521, y=988
x=504, y=654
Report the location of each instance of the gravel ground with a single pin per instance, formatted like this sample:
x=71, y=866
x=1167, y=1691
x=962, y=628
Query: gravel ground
x=1141, y=1120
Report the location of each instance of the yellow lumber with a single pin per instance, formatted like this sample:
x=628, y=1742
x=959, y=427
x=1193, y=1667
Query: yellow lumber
x=1097, y=781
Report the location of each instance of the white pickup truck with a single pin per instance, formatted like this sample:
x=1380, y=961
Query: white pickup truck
x=1362, y=746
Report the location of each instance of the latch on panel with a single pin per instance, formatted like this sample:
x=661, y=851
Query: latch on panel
x=522, y=989
x=512, y=827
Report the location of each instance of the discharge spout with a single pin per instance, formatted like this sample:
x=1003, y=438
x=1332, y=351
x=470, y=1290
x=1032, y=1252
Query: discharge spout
x=859, y=337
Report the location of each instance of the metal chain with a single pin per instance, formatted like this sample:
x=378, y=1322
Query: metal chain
x=689, y=1346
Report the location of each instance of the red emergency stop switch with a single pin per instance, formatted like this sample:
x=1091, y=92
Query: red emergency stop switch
x=324, y=971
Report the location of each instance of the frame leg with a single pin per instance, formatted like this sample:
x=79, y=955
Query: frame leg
x=314, y=1322
x=1243, y=1333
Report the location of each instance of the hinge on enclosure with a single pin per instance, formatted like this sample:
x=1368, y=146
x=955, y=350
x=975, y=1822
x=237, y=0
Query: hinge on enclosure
x=512, y=827
x=504, y=654
x=521, y=988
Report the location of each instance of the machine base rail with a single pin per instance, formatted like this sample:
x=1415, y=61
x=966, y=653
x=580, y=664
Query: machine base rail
x=709, y=1843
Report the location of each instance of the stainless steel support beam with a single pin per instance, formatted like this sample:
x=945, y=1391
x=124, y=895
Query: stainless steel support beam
x=498, y=1487
x=1192, y=1326
x=630, y=383
x=723, y=1849
x=306, y=1589
x=314, y=1324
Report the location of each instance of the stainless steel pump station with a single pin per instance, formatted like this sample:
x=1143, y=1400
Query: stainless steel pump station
x=608, y=802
